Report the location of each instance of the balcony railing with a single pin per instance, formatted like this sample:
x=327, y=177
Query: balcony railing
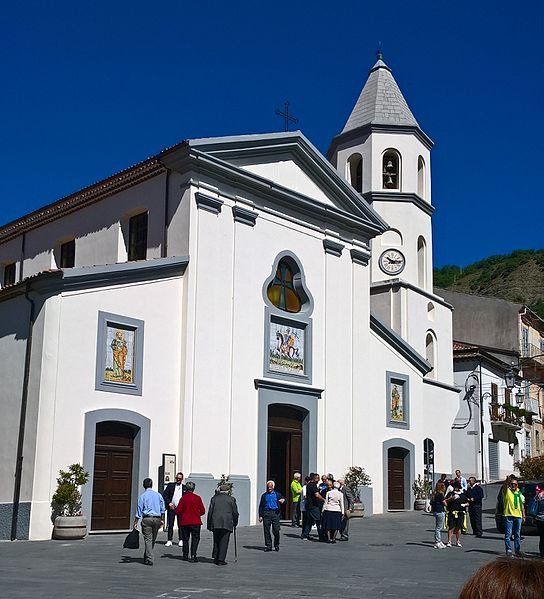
x=533, y=352
x=501, y=413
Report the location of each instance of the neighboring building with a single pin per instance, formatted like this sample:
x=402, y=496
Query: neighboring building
x=502, y=335
x=234, y=306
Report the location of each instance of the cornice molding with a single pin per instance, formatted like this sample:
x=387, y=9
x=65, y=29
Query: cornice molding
x=266, y=190
x=205, y=202
x=244, y=216
x=442, y=385
x=387, y=284
x=332, y=247
x=399, y=196
x=287, y=387
x=89, y=195
x=360, y=257
x=365, y=130
x=399, y=345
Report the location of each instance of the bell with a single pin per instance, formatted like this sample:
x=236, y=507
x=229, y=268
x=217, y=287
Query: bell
x=389, y=181
x=389, y=165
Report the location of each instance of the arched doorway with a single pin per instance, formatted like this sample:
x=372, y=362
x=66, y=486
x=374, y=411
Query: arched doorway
x=284, y=455
x=396, y=478
x=112, y=476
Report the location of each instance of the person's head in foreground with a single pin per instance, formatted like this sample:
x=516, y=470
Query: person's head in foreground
x=506, y=578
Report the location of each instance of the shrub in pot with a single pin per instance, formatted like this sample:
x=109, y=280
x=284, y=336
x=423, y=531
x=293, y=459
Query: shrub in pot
x=421, y=488
x=355, y=478
x=69, y=523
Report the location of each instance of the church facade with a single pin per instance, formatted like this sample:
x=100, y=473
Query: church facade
x=235, y=306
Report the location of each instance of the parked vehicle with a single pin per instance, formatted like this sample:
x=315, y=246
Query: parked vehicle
x=529, y=489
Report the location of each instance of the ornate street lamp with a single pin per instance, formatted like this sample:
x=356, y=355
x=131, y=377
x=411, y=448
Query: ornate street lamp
x=510, y=378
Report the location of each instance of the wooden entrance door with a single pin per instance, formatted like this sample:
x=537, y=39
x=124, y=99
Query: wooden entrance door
x=395, y=478
x=284, y=449
x=112, y=477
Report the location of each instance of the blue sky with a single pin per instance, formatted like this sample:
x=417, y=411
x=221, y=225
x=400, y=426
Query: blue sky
x=91, y=88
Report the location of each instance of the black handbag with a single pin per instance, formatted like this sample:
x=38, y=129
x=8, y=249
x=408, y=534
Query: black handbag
x=133, y=540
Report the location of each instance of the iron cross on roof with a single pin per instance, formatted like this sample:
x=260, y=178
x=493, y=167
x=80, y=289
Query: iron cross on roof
x=287, y=118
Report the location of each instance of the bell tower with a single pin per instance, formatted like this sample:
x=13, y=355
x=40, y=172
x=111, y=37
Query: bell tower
x=385, y=155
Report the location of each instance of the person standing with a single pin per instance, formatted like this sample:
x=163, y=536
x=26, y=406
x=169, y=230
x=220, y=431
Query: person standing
x=303, y=502
x=475, y=494
x=456, y=502
x=296, y=493
x=514, y=516
x=150, y=511
x=222, y=520
x=438, y=507
x=172, y=494
x=189, y=510
x=269, y=514
x=349, y=502
x=314, y=502
x=333, y=510
x=461, y=479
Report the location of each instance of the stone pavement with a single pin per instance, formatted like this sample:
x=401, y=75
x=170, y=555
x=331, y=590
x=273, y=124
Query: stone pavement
x=387, y=556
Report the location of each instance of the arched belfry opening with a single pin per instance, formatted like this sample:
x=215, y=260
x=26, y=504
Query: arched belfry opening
x=421, y=262
x=421, y=177
x=355, y=171
x=391, y=170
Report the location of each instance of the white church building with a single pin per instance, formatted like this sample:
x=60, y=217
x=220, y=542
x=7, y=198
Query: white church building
x=236, y=305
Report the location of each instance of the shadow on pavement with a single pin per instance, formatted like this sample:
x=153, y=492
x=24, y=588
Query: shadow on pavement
x=485, y=551
x=255, y=547
x=127, y=559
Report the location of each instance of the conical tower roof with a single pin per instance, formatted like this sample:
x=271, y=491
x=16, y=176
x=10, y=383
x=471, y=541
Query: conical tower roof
x=381, y=102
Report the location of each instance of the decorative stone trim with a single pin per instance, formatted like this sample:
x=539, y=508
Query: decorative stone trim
x=208, y=203
x=332, y=247
x=244, y=216
x=359, y=257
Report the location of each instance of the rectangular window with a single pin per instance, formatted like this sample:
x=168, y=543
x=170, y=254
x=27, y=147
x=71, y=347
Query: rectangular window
x=68, y=254
x=507, y=396
x=137, y=237
x=9, y=274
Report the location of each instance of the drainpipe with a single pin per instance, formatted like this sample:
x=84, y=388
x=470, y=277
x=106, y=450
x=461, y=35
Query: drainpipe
x=481, y=423
x=164, y=252
x=22, y=418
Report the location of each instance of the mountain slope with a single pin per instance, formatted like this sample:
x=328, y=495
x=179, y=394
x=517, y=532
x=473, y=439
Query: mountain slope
x=517, y=277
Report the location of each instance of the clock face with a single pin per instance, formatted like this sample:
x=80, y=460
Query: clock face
x=392, y=262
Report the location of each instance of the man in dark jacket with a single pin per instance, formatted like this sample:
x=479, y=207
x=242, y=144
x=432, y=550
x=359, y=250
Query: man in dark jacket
x=222, y=520
x=269, y=515
x=475, y=494
x=172, y=494
x=349, y=501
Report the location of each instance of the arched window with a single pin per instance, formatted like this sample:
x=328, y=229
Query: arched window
x=421, y=262
x=282, y=291
x=391, y=170
x=355, y=171
x=430, y=353
x=421, y=177
x=430, y=311
x=391, y=237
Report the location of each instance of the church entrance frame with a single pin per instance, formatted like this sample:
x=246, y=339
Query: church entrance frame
x=140, y=454
x=284, y=451
x=302, y=399
x=394, y=452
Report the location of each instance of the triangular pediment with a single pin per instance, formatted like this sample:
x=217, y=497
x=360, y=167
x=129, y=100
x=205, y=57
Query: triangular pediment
x=291, y=162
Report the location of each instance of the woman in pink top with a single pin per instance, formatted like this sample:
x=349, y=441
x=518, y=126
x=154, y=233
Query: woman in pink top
x=333, y=509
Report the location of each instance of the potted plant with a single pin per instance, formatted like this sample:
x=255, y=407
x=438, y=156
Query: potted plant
x=355, y=478
x=225, y=480
x=421, y=487
x=69, y=523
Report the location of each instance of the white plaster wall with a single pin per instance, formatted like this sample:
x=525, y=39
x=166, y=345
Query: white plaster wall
x=10, y=251
x=99, y=230
x=289, y=174
x=411, y=222
x=67, y=389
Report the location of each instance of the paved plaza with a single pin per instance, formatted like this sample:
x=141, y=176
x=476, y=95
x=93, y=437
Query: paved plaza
x=387, y=556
